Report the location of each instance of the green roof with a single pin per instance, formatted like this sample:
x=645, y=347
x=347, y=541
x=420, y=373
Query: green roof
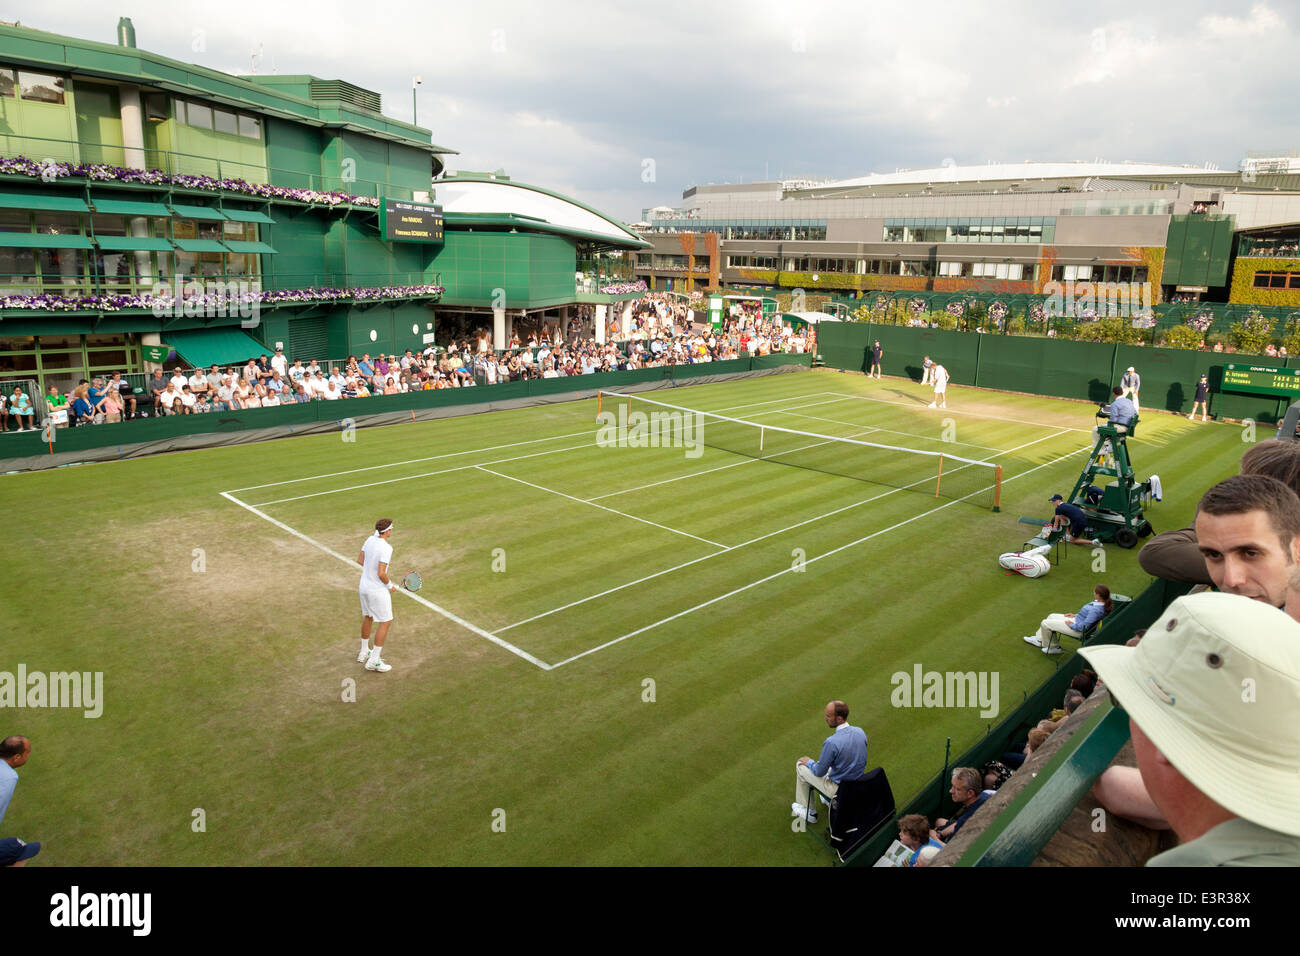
x=205, y=347
x=239, y=245
x=247, y=215
x=42, y=201
x=200, y=245
x=120, y=243
x=128, y=208
x=41, y=240
x=196, y=212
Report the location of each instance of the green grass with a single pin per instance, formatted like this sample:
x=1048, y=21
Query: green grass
x=224, y=687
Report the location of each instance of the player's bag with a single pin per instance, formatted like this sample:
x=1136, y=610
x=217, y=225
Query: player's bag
x=1027, y=563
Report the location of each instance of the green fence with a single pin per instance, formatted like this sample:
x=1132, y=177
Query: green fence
x=1052, y=367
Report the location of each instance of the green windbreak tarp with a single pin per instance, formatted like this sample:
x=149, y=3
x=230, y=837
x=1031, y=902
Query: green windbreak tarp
x=205, y=347
x=117, y=243
x=123, y=207
x=40, y=201
x=246, y=215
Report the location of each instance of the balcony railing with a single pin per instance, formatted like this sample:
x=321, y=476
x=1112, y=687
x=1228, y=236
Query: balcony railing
x=46, y=152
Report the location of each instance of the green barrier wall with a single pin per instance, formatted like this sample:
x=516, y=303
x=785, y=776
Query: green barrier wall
x=1058, y=368
x=157, y=429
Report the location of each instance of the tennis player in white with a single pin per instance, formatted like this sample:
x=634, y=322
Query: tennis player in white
x=940, y=387
x=376, y=595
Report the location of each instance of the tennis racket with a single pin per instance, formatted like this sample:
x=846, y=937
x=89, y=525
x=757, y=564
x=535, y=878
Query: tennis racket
x=412, y=581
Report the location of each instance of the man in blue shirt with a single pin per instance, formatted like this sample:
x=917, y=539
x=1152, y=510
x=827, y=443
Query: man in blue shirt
x=1121, y=410
x=843, y=757
x=14, y=752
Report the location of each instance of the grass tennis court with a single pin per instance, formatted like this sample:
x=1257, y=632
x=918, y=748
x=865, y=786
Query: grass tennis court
x=216, y=591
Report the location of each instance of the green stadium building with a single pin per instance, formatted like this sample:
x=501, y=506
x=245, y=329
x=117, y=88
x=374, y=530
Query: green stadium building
x=150, y=206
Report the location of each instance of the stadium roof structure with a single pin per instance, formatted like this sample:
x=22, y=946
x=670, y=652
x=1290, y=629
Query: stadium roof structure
x=489, y=199
x=1038, y=177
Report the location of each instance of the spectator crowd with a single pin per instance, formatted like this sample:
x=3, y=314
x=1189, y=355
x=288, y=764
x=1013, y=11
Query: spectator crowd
x=661, y=333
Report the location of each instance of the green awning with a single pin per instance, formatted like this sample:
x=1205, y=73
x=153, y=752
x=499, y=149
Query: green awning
x=205, y=347
x=42, y=201
x=123, y=207
x=247, y=215
x=239, y=245
x=196, y=212
x=119, y=243
x=41, y=240
x=200, y=245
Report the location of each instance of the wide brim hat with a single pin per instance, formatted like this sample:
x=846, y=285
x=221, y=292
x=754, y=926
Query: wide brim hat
x=1215, y=685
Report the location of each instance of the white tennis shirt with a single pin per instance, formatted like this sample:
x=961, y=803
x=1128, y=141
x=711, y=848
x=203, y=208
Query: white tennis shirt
x=376, y=551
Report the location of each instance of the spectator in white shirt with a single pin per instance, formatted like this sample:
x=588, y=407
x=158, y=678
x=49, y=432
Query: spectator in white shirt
x=250, y=372
x=331, y=392
x=178, y=379
x=279, y=363
x=198, y=383
x=297, y=372
x=224, y=395
x=316, y=385
x=168, y=398
x=187, y=401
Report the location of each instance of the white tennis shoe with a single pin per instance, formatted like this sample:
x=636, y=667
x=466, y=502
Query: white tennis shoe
x=363, y=657
x=379, y=666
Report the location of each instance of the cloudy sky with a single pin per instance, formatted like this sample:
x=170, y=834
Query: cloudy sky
x=623, y=105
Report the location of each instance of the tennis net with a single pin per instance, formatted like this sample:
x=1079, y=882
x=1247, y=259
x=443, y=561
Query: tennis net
x=649, y=422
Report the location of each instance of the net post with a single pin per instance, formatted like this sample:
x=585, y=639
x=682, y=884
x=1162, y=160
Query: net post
x=939, y=481
x=997, y=489
x=600, y=396
x=761, y=432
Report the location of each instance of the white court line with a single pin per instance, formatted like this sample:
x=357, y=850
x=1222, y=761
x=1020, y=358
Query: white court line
x=411, y=461
x=414, y=597
x=770, y=577
x=601, y=507
x=958, y=411
x=762, y=537
x=426, y=474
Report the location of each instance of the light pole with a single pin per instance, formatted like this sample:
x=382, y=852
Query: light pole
x=415, y=111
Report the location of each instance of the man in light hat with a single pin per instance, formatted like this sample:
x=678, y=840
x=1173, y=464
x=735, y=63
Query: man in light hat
x=1211, y=692
x=1131, y=383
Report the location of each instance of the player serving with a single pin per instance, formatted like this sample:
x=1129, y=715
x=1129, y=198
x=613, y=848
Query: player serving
x=376, y=595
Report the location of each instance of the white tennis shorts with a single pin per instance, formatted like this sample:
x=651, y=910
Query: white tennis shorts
x=377, y=605
x=941, y=389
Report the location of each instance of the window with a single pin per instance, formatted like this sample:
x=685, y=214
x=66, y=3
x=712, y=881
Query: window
x=41, y=87
x=198, y=115
x=250, y=126
x=17, y=267
x=108, y=225
x=58, y=223
x=7, y=83
x=224, y=122
x=15, y=220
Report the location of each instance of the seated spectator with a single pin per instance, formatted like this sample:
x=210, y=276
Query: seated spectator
x=125, y=394
x=199, y=383
x=1222, y=774
x=967, y=792
x=1085, y=682
x=82, y=412
x=1054, y=625
x=331, y=393
x=188, y=402
x=253, y=398
x=224, y=395
x=271, y=399
x=390, y=387
x=56, y=401
x=996, y=773
x=914, y=833
x=112, y=406
x=169, y=400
